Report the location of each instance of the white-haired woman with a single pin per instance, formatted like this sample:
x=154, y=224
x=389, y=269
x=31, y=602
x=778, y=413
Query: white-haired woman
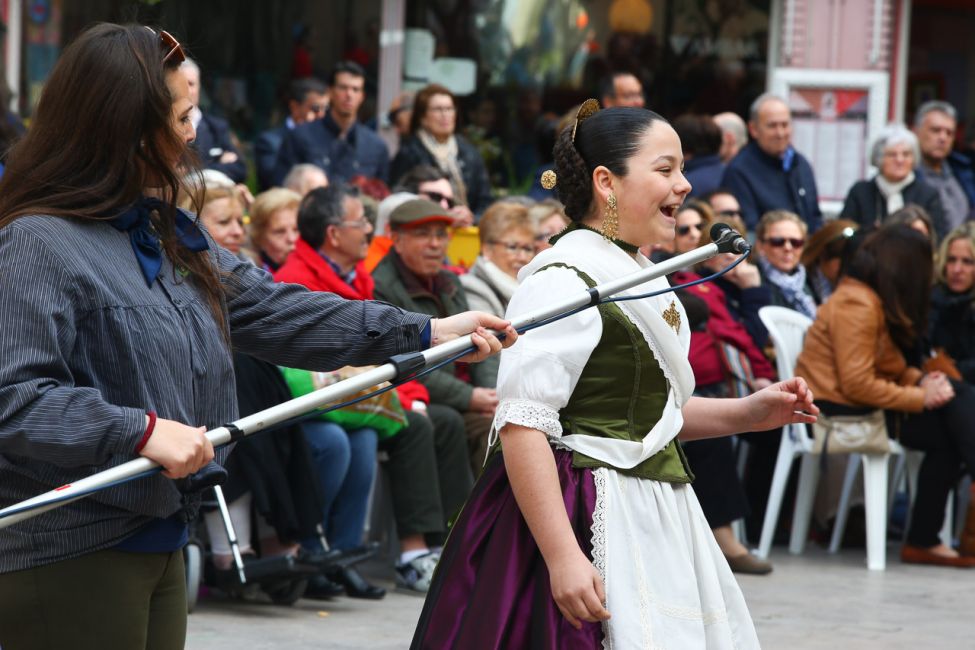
x=894, y=153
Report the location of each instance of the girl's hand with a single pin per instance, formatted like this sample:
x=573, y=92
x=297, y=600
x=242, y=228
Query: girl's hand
x=782, y=403
x=578, y=590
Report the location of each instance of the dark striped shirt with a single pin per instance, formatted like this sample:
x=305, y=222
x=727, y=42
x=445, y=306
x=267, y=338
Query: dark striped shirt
x=86, y=348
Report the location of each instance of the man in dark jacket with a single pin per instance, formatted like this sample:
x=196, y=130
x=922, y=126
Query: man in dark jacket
x=952, y=174
x=769, y=174
x=412, y=276
x=337, y=142
x=213, y=142
x=307, y=101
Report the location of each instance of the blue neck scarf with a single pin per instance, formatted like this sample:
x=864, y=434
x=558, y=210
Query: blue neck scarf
x=145, y=243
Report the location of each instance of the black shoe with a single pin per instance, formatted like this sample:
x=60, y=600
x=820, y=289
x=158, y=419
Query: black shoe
x=321, y=588
x=355, y=585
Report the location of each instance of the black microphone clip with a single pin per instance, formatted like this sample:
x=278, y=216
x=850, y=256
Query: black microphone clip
x=728, y=240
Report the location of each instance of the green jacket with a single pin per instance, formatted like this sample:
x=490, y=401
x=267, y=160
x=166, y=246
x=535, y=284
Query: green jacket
x=396, y=285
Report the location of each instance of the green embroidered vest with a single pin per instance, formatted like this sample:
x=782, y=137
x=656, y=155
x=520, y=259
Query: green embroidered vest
x=621, y=394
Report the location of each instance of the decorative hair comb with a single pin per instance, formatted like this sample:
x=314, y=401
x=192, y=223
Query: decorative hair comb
x=589, y=108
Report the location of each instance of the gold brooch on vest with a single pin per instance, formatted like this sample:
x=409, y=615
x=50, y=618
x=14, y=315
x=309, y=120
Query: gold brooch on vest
x=672, y=316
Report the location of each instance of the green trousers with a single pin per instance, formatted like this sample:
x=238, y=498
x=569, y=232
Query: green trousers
x=107, y=599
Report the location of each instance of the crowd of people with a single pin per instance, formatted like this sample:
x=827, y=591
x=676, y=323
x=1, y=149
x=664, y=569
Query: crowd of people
x=889, y=284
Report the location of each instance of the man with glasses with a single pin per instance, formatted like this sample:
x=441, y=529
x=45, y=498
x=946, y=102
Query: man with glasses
x=429, y=182
x=337, y=142
x=428, y=465
x=307, y=101
x=769, y=174
x=213, y=142
x=621, y=89
x=412, y=276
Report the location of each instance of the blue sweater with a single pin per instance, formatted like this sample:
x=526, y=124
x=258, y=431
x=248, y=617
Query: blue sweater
x=760, y=184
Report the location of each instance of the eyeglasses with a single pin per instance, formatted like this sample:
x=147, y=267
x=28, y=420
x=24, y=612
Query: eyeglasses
x=514, y=249
x=437, y=197
x=318, y=109
x=729, y=213
x=443, y=110
x=361, y=223
x=683, y=231
x=170, y=45
x=779, y=242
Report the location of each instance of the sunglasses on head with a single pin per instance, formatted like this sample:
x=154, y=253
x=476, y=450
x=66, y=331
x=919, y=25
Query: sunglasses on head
x=779, y=242
x=170, y=46
x=685, y=230
x=437, y=197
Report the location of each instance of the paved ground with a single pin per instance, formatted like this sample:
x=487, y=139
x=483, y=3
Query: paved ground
x=812, y=602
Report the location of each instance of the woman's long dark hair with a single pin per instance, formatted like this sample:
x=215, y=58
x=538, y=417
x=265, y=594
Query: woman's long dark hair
x=897, y=263
x=101, y=133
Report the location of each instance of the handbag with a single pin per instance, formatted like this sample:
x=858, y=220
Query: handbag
x=384, y=413
x=851, y=434
x=738, y=370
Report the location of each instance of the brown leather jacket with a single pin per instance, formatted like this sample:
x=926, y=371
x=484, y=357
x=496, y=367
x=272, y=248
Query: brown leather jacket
x=849, y=357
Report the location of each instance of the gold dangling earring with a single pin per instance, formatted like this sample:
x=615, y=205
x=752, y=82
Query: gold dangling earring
x=611, y=220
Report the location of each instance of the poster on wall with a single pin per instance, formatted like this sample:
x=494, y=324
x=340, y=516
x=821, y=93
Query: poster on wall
x=829, y=126
x=835, y=115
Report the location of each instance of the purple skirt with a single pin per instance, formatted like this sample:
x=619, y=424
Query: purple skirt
x=491, y=589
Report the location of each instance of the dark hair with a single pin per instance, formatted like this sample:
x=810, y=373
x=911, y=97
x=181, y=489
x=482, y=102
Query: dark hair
x=321, y=208
x=101, y=131
x=608, y=138
x=299, y=89
x=346, y=67
x=410, y=181
x=699, y=135
x=896, y=262
x=607, y=84
x=422, y=101
x=830, y=242
x=908, y=215
x=716, y=192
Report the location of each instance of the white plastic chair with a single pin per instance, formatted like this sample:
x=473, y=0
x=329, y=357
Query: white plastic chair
x=787, y=329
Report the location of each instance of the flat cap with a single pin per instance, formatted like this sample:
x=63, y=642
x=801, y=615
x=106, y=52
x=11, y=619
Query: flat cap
x=418, y=212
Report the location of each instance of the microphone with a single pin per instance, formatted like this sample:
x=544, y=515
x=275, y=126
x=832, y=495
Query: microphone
x=728, y=240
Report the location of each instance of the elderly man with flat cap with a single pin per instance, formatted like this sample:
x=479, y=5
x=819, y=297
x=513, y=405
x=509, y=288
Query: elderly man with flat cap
x=412, y=276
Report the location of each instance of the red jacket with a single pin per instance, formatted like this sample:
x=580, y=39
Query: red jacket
x=705, y=357
x=306, y=266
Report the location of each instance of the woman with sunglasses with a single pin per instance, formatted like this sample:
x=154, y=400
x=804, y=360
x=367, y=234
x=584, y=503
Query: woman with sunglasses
x=507, y=244
x=120, y=316
x=780, y=238
x=434, y=141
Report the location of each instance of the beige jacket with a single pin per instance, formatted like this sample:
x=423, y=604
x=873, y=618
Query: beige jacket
x=849, y=357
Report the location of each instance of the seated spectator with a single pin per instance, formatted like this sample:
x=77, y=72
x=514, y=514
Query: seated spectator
x=214, y=142
x=337, y=142
x=781, y=237
x=304, y=178
x=769, y=174
x=744, y=291
x=507, y=244
x=725, y=206
x=861, y=354
x=382, y=238
x=429, y=182
x=307, y=100
x=734, y=135
x=400, y=113
x=952, y=324
x=222, y=214
x=894, y=153
x=714, y=336
x=549, y=218
x=950, y=173
x=914, y=216
x=428, y=468
x=433, y=141
x=825, y=257
x=412, y=276
x=700, y=138
x=621, y=89
x=274, y=227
